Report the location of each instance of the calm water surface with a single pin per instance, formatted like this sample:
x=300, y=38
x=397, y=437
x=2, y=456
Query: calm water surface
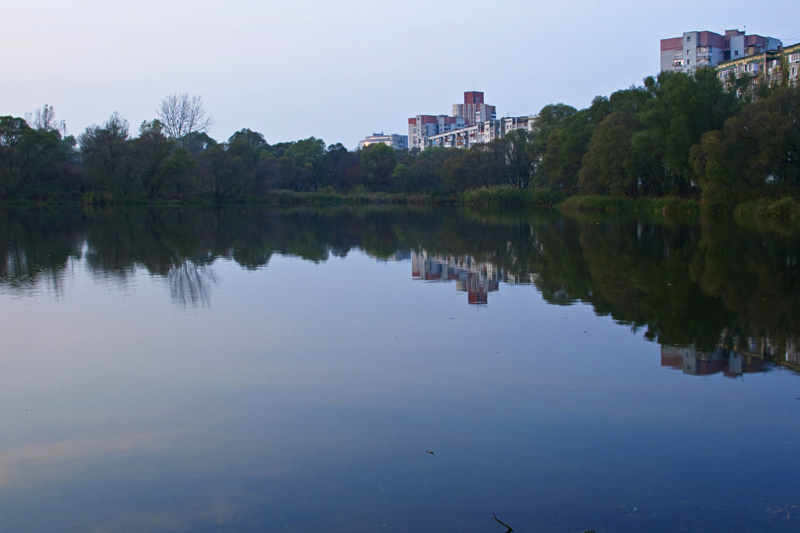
x=256, y=370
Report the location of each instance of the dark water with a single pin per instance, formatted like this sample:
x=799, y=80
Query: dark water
x=253, y=370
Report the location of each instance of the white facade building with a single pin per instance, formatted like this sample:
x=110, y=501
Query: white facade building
x=422, y=127
x=482, y=133
x=398, y=142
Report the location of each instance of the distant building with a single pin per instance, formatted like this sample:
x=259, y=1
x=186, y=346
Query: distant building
x=422, y=127
x=482, y=132
x=767, y=65
x=792, y=55
x=706, y=48
x=474, y=111
x=398, y=142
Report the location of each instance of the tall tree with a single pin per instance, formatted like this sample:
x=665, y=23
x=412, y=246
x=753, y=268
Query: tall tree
x=181, y=115
x=26, y=154
x=107, y=158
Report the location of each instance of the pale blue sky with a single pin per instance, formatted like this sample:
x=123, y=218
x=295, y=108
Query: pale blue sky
x=341, y=69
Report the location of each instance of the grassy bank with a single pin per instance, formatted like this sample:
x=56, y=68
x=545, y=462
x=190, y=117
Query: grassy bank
x=285, y=198
x=500, y=197
x=786, y=207
x=507, y=196
x=665, y=205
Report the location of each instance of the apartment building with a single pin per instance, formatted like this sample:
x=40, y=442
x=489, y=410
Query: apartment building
x=422, y=127
x=708, y=49
x=398, y=142
x=792, y=55
x=474, y=111
x=767, y=65
x=481, y=133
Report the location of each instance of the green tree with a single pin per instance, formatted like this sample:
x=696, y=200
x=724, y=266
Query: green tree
x=312, y=162
x=378, y=162
x=159, y=160
x=28, y=156
x=108, y=161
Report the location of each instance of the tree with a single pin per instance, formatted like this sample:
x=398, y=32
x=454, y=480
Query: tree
x=519, y=160
x=107, y=158
x=44, y=119
x=310, y=157
x=197, y=142
x=222, y=174
x=679, y=110
x=181, y=115
x=378, y=161
x=158, y=159
x=26, y=154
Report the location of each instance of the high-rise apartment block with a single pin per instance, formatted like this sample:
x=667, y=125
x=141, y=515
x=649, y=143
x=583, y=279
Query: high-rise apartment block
x=472, y=112
x=708, y=49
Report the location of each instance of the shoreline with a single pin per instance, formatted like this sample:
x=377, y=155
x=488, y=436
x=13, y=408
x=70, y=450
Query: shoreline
x=500, y=198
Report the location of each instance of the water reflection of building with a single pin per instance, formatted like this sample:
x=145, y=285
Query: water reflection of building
x=733, y=357
x=476, y=278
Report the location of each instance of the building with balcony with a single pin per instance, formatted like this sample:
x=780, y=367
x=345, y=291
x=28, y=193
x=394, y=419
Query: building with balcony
x=481, y=133
x=708, y=49
x=767, y=66
x=474, y=111
x=422, y=127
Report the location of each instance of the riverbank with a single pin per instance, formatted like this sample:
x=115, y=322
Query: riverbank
x=500, y=197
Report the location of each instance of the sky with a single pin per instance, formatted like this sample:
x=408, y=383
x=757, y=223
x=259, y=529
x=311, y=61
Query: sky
x=341, y=69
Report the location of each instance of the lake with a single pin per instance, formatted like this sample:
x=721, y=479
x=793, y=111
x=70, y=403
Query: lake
x=248, y=369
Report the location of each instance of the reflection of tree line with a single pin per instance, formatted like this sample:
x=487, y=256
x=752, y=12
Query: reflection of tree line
x=682, y=283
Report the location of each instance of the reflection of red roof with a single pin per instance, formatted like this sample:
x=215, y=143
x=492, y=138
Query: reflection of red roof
x=753, y=365
x=477, y=298
x=706, y=368
x=674, y=361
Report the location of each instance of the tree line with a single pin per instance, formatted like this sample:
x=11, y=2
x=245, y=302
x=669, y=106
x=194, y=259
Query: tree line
x=683, y=135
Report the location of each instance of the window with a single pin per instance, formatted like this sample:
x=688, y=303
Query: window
x=688, y=38
x=737, y=53
x=688, y=61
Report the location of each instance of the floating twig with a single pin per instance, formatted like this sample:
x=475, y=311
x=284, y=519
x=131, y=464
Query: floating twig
x=494, y=517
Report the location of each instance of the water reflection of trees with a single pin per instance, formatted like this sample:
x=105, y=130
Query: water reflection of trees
x=682, y=283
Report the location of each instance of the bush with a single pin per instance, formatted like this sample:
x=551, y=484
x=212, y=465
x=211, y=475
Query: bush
x=506, y=196
x=786, y=207
x=665, y=205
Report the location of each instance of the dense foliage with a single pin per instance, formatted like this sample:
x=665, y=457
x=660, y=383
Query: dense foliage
x=677, y=136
